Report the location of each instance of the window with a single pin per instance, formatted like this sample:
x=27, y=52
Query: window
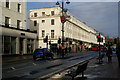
x=35, y=23
x=7, y=3
x=52, y=33
x=19, y=7
x=7, y=21
x=18, y=24
x=43, y=13
x=43, y=33
x=35, y=14
x=52, y=22
x=43, y=21
x=52, y=13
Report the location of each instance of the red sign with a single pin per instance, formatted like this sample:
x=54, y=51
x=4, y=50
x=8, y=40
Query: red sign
x=62, y=18
x=63, y=47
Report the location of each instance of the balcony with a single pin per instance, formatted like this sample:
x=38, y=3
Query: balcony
x=50, y=37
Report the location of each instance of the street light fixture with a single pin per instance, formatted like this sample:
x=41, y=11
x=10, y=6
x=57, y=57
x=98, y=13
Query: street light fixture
x=57, y=3
x=68, y=2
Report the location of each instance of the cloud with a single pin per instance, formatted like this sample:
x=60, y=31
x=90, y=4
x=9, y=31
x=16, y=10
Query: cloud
x=100, y=16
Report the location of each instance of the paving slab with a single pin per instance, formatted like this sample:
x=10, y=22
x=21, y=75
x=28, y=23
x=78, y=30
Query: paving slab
x=95, y=71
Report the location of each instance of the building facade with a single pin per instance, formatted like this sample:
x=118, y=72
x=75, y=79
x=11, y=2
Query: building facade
x=16, y=38
x=77, y=35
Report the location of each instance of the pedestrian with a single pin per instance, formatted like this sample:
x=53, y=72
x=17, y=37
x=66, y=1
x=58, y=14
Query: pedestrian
x=118, y=54
x=109, y=54
x=66, y=50
x=69, y=49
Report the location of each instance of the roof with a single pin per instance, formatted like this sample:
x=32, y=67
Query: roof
x=44, y=8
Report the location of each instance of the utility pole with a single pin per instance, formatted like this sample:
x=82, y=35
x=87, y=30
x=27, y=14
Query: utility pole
x=62, y=30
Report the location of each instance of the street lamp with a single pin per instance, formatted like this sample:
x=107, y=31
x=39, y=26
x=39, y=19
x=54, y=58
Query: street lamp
x=67, y=2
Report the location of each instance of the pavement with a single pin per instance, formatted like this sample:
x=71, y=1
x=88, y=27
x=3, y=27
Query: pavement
x=95, y=71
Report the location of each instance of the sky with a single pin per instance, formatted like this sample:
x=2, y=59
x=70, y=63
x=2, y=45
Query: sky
x=102, y=16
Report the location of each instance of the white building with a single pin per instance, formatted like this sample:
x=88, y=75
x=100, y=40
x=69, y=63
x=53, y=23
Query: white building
x=46, y=21
x=16, y=39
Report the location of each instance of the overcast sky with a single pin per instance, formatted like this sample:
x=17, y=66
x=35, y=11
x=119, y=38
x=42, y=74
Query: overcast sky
x=102, y=16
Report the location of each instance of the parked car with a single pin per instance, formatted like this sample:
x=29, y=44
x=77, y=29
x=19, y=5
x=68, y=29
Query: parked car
x=42, y=53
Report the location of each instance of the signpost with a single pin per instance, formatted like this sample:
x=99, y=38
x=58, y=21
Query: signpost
x=62, y=19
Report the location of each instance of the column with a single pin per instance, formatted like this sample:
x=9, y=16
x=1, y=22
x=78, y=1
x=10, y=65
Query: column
x=2, y=45
x=24, y=46
x=17, y=45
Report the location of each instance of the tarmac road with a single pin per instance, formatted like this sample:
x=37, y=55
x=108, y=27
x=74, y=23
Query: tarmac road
x=30, y=70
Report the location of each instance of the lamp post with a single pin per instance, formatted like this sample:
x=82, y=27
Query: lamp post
x=63, y=17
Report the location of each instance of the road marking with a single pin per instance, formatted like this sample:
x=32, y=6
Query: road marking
x=12, y=68
x=48, y=75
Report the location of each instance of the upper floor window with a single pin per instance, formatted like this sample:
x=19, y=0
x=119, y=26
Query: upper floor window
x=43, y=33
x=19, y=7
x=52, y=22
x=35, y=14
x=52, y=33
x=35, y=23
x=18, y=24
x=7, y=4
x=7, y=21
x=43, y=13
x=43, y=21
x=52, y=13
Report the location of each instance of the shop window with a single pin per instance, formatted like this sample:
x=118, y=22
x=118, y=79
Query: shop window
x=13, y=45
x=7, y=45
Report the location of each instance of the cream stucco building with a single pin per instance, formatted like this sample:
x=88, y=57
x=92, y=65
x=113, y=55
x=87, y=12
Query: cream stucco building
x=16, y=39
x=46, y=21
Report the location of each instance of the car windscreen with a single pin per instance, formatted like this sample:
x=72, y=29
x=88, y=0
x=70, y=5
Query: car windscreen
x=39, y=50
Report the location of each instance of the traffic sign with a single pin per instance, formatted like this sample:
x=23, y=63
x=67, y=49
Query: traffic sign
x=63, y=47
x=62, y=19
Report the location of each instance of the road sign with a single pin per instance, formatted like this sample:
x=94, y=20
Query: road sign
x=63, y=47
x=62, y=19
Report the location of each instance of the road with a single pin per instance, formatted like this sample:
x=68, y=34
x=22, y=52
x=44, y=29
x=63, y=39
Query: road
x=31, y=70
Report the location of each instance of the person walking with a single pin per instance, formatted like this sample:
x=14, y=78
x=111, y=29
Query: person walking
x=66, y=50
x=109, y=54
x=69, y=49
x=118, y=54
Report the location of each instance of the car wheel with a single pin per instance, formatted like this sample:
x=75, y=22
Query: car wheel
x=34, y=58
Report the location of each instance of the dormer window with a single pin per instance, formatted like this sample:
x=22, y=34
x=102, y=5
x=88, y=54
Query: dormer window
x=52, y=13
x=43, y=13
x=35, y=14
